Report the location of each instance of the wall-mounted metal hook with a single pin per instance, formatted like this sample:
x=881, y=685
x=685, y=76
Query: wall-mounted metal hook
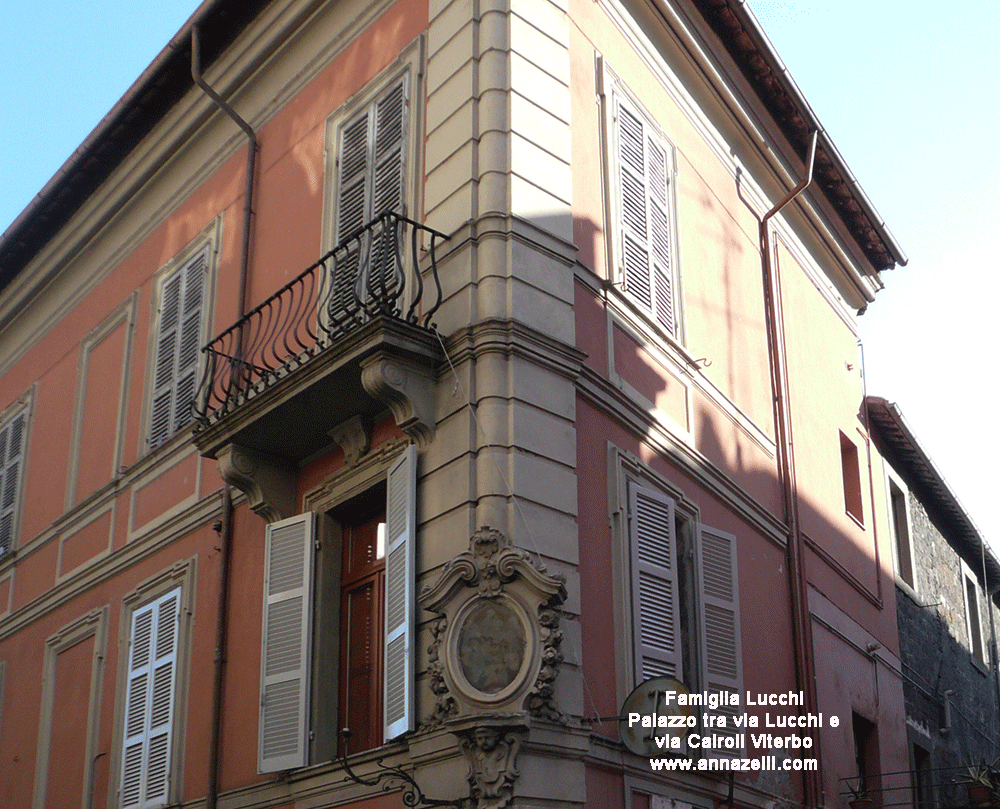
x=412, y=794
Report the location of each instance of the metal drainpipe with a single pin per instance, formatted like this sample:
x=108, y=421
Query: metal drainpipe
x=795, y=558
x=226, y=532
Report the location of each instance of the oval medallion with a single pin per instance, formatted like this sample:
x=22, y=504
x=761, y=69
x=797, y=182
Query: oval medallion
x=491, y=645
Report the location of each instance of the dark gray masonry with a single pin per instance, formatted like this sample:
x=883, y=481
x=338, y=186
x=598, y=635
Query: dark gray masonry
x=947, y=635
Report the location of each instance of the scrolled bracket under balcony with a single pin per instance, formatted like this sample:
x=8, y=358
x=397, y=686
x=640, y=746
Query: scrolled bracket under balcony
x=349, y=337
x=408, y=391
x=268, y=484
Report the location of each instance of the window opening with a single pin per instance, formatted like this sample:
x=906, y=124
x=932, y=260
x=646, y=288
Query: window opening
x=904, y=560
x=852, y=478
x=362, y=600
x=973, y=624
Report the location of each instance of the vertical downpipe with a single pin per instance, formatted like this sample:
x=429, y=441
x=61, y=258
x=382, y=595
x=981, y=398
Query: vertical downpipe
x=795, y=558
x=226, y=532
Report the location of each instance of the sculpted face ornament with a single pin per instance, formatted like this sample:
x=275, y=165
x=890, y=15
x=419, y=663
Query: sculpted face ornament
x=491, y=766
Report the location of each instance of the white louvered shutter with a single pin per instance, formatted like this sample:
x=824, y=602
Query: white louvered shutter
x=371, y=157
x=400, y=567
x=721, y=647
x=286, y=649
x=189, y=342
x=149, y=703
x=644, y=170
x=353, y=162
x=178, y=344
x=655, y=611
x=12, y=438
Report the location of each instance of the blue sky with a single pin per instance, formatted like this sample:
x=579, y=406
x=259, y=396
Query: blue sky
x=907, y=93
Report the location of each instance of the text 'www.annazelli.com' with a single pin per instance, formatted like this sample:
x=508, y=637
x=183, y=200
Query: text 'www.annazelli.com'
x=758, y=764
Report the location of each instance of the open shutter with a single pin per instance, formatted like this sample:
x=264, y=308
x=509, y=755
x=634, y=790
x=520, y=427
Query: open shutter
x=189, y=339
x=644, y=176
x=178, y=340
x=655, y=612
x=11, y=456
x=149, y=703
x=165, y=363
x=286, y=645
x=400, y=567
x=721, y=647
x=658, y=175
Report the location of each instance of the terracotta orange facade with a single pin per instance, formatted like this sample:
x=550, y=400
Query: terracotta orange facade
x=528, y=371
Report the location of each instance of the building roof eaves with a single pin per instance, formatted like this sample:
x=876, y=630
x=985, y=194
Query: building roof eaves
x=887, y=420
x=151, y=96
x=740, y=32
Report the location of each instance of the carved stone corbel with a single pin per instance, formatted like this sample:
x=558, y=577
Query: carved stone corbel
x=354, y=438
x=268, y=484
x=407, y=390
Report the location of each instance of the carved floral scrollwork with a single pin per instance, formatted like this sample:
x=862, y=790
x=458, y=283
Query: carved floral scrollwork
x=444, y=703
x=496, y=642
x=539, y=700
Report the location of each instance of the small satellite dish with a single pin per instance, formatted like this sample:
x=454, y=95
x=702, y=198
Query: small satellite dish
x=649, y=699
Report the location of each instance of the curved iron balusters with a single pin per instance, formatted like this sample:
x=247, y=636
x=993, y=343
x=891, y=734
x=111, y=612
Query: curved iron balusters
x=366, y=275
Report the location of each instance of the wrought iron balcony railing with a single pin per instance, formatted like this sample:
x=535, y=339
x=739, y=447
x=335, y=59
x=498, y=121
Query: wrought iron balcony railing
x=374, y=272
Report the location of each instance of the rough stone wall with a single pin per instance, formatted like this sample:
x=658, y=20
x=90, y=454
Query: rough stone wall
x=937, y=659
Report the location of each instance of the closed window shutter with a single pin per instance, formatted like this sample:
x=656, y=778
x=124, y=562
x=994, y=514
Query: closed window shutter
x=655, y=612
x=149, y=703
x=12, y=438
x=178, y=343
x=287, y=644
x=721, y=647
x=389, y=150
x=644, y=177
x=400, y=564
x=371, y=157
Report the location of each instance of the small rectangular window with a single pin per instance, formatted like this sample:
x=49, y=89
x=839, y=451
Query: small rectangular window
x=972, y=622
x=901, y=532
x=852, y=478
x=866, y=756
